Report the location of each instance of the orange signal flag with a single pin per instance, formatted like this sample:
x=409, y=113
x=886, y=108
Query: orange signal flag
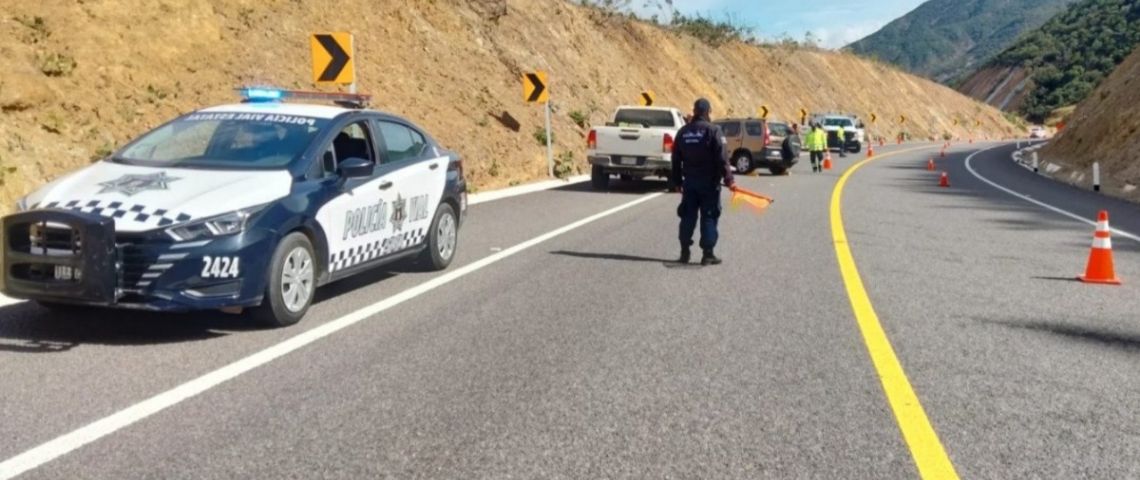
x=756, y=201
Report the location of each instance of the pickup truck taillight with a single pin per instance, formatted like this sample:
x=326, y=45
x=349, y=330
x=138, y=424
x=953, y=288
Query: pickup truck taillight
x=592, y=140
x=667, y=144
x=767, y=135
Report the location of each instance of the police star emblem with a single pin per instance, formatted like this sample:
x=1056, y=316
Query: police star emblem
x=131, y=184
x=399, y=213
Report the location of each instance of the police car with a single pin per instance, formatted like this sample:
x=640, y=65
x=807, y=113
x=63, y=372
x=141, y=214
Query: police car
x=245, y=206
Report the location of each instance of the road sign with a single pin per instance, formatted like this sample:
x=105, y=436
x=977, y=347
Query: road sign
x=647, y=98
x=764, y=112
x=955, y=122
x=332, y=58
x=803, y=116
x=902, y=118
x=977, y=123
x=874, y=118
x=534, y=87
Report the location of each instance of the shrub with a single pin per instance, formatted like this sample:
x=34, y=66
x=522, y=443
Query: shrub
x=540, y=136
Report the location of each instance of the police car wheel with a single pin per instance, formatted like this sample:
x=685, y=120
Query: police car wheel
x=443, y=238
x=743, y=163
x=292, y=283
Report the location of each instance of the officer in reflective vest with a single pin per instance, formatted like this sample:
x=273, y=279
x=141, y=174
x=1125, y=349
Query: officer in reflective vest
x=700, y=164
x=842, y=141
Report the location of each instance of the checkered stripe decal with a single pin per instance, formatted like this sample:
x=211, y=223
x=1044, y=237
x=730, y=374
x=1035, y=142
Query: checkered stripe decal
x=119, y=210
x=371, y=251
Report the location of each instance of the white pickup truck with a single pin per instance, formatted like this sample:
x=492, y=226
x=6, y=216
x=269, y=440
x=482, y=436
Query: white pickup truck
x=853, y=131
x=636, y=143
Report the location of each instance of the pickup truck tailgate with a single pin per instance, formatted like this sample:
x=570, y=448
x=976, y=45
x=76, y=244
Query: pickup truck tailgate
x=632, y=142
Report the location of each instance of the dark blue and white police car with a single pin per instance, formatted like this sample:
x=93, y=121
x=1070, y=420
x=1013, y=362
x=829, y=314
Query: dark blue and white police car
x=249, y=206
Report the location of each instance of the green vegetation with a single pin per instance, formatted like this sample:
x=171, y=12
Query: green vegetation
x=57, y=65
x=702, y=27
x=540, y=136
x=1070, y=55
x=944, y=39
x=709, y=31
x=580, y=118
x=564, y=165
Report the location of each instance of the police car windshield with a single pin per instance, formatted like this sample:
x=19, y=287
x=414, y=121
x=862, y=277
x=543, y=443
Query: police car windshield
x=643, y=117
x=227, y=140
x=837, y=122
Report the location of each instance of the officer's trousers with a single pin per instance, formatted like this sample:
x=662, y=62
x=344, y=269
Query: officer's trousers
x=700, y=197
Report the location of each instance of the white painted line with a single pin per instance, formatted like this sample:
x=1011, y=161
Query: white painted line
x=484, y=197
x=1115, y=231
x=70, y=441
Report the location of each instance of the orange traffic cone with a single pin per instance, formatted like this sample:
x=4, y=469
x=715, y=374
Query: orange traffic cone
x=827, y=161
x=882, y=142
x=944, y=181
x=943, y=153
x=971, y=139
x=870, y=150
x=930, y=164
x=1100, y=269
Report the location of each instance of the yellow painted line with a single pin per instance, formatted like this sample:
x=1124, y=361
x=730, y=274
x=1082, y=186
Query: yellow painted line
x=929, y=455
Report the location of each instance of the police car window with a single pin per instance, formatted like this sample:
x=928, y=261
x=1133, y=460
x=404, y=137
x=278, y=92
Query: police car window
x=641, y=117
x=224, y=140
x=400, y=142
x=778, y=129
x=730, y=129
x=755, y=129
x=352, y=141
x=837, y=122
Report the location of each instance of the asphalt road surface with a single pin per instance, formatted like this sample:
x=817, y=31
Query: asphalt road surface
x=561, y=348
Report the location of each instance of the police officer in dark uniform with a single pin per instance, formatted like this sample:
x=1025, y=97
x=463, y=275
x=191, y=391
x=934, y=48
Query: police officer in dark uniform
x=700, y=164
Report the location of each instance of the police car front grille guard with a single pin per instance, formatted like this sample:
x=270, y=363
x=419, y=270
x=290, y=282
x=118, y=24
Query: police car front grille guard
x=48, y=239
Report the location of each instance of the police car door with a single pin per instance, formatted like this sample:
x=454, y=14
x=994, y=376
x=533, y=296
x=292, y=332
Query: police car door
x=356, y=219
x=418, y=175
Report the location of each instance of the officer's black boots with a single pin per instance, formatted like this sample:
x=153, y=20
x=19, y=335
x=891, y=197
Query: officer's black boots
x=685, y=256
x=709, y=258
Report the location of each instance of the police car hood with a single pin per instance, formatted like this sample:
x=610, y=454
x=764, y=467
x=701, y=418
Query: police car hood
x=144, y=198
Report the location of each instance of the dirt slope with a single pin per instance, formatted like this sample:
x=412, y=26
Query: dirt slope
x=1001, y=87
x=1104, y=128
x=83, y=77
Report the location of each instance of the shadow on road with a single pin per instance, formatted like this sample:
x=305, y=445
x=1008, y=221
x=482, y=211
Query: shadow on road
x=1116, y=339
x=29, y=328
x=612, y=256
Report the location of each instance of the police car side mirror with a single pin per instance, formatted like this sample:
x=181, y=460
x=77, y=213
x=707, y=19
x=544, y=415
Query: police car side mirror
x=354, y=167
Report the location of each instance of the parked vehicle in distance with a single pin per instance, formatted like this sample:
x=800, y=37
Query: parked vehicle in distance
x=755, y=143
x=1037, y=131
x=852, y=130
x=637, y=143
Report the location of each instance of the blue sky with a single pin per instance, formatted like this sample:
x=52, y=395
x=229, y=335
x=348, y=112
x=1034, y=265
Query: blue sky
x=834, y=23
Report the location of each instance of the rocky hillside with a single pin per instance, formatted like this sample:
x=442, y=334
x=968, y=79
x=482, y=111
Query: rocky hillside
x=946, y=39
x=83, y=77
x=1104, y=129
x=1060, y=63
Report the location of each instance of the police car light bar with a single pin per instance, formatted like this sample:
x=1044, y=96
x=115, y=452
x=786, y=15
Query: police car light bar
x=270, y=94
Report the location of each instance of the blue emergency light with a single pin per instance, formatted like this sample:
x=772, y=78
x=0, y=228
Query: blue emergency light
x=271, y=94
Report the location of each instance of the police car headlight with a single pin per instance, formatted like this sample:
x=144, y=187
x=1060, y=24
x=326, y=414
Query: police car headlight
x=218, y=226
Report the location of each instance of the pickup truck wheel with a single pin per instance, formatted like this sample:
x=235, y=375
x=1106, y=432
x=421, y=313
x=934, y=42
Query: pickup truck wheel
x=599, y=178
x=857, y=148
x=743, y=164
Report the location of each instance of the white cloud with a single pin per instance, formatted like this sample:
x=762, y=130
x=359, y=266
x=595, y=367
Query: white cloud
x=844, y=34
